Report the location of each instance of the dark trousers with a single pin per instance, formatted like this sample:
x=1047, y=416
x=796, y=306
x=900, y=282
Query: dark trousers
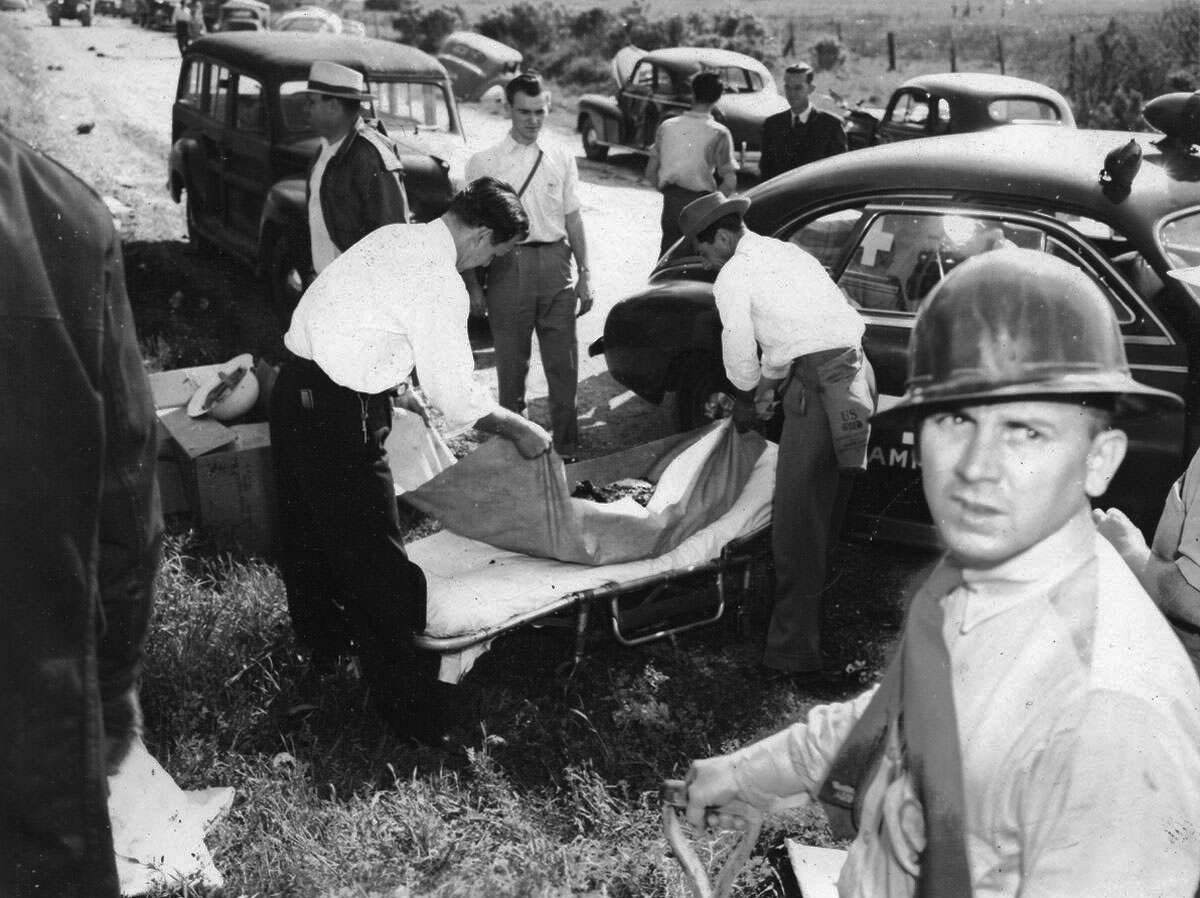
x=350, y=585
x=530, y=290
x=809, y=503
x=674, y=199
x=183, y=34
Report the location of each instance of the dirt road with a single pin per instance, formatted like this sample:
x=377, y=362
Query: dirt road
x=117, y=82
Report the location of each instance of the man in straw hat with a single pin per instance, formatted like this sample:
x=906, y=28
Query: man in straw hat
x=1038, y=731
x=356, y=183
x=775, y=300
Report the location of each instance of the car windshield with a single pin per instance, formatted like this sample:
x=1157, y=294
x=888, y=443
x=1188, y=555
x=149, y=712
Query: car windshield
x=405, y=107
x=1180, y=238
x=307, y=24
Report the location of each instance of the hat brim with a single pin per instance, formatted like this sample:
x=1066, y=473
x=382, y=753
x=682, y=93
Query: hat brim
x=342, y=93
x=736, y=205
x=1132, y=399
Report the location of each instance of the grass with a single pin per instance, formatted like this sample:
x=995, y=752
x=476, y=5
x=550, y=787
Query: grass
x=553, y=793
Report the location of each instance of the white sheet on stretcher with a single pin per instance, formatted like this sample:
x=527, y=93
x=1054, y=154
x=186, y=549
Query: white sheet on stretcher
x=475, y=588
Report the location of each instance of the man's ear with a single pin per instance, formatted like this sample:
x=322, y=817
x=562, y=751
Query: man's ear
x=1107, y=453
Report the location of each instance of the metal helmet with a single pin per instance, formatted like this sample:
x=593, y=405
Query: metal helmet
x=1018, y=324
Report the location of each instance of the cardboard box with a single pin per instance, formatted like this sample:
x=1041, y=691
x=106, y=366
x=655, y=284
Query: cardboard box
x=220, y=475
x=231, y=489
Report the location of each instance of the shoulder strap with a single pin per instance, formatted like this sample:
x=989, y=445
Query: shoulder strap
x=532, y=172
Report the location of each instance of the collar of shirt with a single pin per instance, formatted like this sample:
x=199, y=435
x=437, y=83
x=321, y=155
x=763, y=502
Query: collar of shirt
x=801, y=118
x=697, y=113
x=329, y=150
x=988, y=593
x=512, y=145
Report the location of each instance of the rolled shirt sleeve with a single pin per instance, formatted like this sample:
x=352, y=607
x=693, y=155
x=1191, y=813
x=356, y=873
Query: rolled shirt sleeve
x=723, y=158
x=739, y=348
x=570, y=197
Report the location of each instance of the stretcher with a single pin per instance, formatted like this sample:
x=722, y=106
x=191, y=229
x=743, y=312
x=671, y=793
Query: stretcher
x=477, y=592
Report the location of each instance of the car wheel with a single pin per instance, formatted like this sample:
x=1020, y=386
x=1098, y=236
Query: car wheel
x=283, y=281
x=592, y=148
x=700, y=386
x=200, y=243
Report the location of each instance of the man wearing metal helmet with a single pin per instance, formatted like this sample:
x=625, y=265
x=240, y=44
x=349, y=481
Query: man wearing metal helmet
x=1038, y=731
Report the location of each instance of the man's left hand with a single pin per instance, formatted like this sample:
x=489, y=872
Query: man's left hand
x=583, y=290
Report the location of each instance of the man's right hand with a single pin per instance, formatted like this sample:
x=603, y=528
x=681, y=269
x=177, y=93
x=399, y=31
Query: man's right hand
x=711, y=785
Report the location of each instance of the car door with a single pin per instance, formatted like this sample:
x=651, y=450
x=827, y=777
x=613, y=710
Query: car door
x=907, y=116
x=246, y=160
x=205, y=183
x=887, y=258
x=633, y=101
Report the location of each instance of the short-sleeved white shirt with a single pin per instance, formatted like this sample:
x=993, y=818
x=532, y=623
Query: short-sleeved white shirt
x=550, y=197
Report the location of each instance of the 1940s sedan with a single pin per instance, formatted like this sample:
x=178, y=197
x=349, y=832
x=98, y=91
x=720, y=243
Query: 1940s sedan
x=242, y=141
x=656, y=86
x=889, y=222
x=956, y=103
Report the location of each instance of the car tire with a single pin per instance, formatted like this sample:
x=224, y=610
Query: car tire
x=283, y=281
x=700, y=378
x=592, y=148
x=200, y=243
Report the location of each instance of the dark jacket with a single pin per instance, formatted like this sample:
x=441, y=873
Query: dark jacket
x=785, y=147
x=79, y=527
x=362, y=188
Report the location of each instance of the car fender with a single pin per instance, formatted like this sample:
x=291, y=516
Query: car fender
x=648, y=336
x=605, y=116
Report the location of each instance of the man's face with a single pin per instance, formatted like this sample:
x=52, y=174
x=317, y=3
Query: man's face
x=324, y=115
x=1001, y=477
x=479, y=250
x=528, y=114
x=717, y=253
x=797, y=88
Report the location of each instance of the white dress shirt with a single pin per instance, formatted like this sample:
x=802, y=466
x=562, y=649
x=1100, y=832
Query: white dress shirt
x=323, y=249
x=775, y=295
x=1079, y=728
x=392, y=302
x=550, y=196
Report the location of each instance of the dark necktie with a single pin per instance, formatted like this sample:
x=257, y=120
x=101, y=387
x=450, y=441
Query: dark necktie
x=930, y=729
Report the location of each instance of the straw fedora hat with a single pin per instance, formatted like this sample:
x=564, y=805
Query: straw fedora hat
x=334, y=80
x=227, y=392
x=699, y=214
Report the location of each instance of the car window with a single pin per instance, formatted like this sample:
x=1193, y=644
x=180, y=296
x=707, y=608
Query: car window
x=1022, y=109
x=218, y=92
x=407, y=106
x=293, y=103
x=642, y=78
x=826, y=236
x=734, y=79
x=1180, y=239
x=912, y=109
x=249, y=110
x=192, y=91
x=901, y=256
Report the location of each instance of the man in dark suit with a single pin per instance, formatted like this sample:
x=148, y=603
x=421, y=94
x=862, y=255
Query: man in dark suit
x=803, y=133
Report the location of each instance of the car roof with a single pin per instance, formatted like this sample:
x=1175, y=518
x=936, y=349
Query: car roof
x=982, y=84
x=693, y=58
x=290, y=55
x=1025, y=163
x=493, y=48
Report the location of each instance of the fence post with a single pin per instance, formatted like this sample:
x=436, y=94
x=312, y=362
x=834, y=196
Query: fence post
x=790, y=47
x=1000, y=52
x=1071, y=65
x=891, y=44
x=953, y=57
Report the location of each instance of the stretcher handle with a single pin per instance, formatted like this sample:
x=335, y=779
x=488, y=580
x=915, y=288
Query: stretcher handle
x=674, y=800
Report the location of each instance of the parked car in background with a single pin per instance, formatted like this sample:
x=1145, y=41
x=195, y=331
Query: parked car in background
x=889, y=222
x=476, y=63
x=242, y=142
x=655, y=86
x=955, y=103
x=353, y=28
x=81, y=10
x=310, y=20
x=14, y=5
x=243, y=15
